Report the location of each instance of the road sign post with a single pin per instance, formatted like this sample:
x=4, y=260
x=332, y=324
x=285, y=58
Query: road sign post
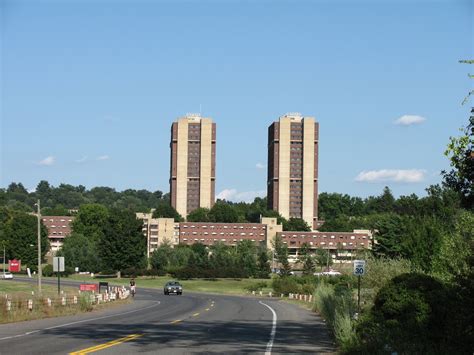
x=359, y=270
x=58, y=266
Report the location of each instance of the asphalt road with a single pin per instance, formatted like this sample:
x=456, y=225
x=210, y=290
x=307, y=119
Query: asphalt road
x=191, y=323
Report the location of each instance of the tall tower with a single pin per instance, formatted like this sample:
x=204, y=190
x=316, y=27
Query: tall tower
x=193, y=163
x=293, y=167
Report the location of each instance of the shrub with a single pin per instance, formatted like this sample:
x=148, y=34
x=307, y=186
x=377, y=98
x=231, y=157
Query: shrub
x=336, y=307
x=256, y=286
x=411, y=315
x=286, y=285
x=48, y=270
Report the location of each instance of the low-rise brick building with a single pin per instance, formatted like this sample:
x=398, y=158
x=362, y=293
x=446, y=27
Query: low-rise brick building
x=59, y=227
x=341, y=245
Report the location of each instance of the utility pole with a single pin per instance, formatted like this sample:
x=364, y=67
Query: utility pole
x=39, y=247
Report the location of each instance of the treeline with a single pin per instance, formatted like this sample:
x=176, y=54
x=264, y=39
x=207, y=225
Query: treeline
x=219, y=260
x=60, y=200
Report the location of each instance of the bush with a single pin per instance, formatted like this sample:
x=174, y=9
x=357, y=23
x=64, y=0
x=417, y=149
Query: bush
x=286, y=285
x=188, y=272
x=412, y=315
x=336, y=307
x=256, y=286
x=48, y=270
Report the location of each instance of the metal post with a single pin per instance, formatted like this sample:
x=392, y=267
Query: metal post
x=59, y=276
x=39, y=247
x=358, y=294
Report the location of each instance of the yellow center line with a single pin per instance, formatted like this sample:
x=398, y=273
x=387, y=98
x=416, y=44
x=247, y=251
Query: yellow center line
x=195, y=314
x=106, y=345
x=207, y=309
x=176, y=321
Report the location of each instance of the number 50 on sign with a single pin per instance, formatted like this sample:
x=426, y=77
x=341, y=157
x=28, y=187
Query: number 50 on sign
x=359, y=267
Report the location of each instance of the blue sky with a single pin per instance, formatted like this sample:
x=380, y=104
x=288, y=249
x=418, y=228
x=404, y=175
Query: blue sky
x=90, y=88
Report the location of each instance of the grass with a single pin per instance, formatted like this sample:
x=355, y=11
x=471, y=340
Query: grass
x=24, y=289
x=20, y=292
x=216, y=286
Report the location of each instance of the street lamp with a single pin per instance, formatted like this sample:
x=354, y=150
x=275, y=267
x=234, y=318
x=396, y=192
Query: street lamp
x=38, y=214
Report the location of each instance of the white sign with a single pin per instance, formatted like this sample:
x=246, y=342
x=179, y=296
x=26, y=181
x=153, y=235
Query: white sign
x=359, y=267
x=58, y=263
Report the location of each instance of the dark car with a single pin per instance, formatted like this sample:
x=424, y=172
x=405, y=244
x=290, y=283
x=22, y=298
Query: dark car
x=173, y=287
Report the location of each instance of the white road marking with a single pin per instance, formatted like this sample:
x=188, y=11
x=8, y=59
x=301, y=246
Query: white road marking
x=81, y=321
x=268, y=351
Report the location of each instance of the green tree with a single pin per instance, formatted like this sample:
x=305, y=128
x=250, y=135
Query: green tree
x=199, y=256
x=247, y=257
x=220, y=256
x=263, y=264
x=281, y=255
x=199, y=215
x=414, y=314
x=323, y=258
x=123, y=244
x=451, y=262
x=460, y=152
x=160, y=258
x=306, y=259
x=296, y=224
x=58, y=210
x=80, y=251
x=20, y=235
x=90, y=221
x=165, y=210
x=223, y=213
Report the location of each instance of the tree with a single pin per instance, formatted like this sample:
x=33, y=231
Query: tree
x=460, y=152
x=58, y=210
x=19, y=233
x=246, y=257
x=296, y=224
x=123, y=245
x=223, y=213
x=305, y=258
x=199, y=215
x=165, y=210
x=160, y=258
x=323, y=258
x=80, y=251
x=263, y=264
x=90, y=221
x=414, y=314
x=199, y=256
x=281, y=255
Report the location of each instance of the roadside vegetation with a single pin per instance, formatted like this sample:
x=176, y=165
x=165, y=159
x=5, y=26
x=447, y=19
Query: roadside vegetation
x=21, y=302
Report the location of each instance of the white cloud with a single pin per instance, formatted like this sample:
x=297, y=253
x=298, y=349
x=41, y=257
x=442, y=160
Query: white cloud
x=48, y=161
x=81, y=160
x=235, y=196
x=103, y=157
x=408, y=120
x=392, y=175
x=260, y=166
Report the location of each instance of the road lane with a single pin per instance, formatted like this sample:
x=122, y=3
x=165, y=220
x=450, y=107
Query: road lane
x=191, y=323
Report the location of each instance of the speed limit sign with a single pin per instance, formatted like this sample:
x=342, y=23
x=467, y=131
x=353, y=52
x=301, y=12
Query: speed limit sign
x=359, y=267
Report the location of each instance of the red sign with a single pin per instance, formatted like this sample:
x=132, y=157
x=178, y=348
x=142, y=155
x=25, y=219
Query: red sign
x=88, y=287
x=14, y=265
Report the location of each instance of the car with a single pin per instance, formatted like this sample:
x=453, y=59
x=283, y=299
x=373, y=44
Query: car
x=173, y=287
x=6, y=275
x=330, y=272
